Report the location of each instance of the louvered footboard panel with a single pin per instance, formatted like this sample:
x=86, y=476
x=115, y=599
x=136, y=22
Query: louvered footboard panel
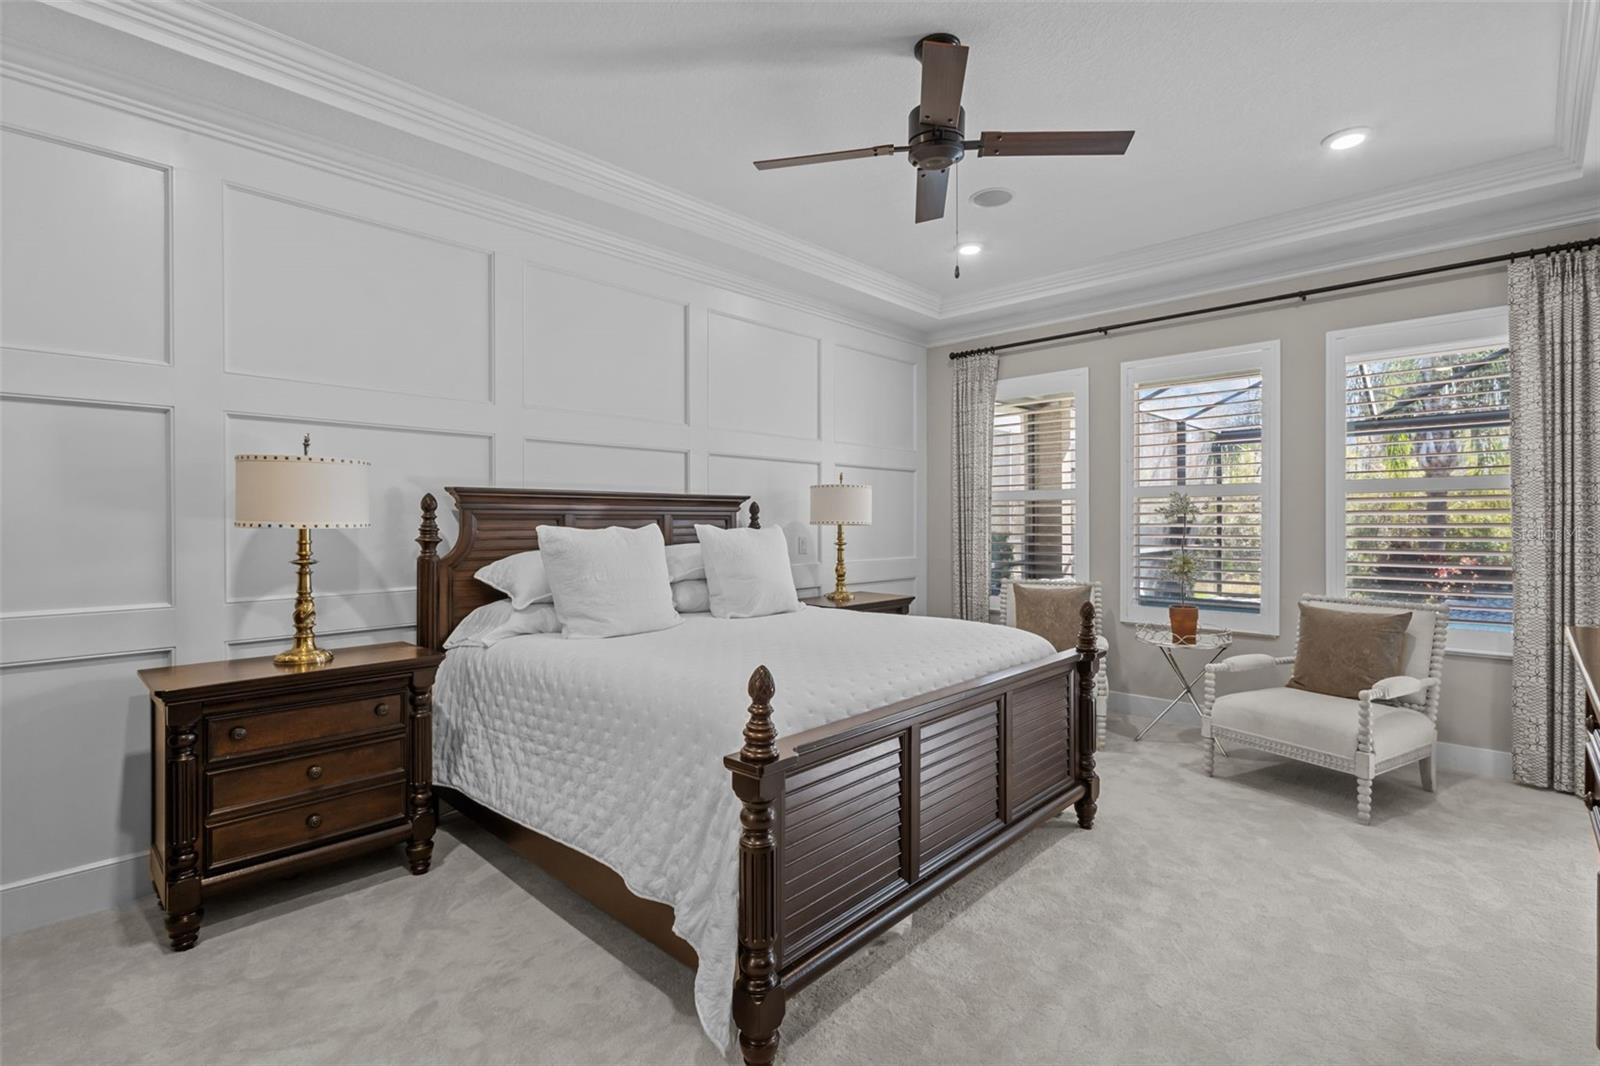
x=1041, y=743
x=842, y=841
x=958, y=773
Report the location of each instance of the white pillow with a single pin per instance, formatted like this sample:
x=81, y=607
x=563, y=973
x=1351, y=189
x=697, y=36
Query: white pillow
x=685, y=563
x=494, y=622
x=691, y=597
x=520, y=576
x=608, y=582
x=748, y=572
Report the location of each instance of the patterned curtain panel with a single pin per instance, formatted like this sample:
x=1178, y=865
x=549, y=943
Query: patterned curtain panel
x=973, y=419
x=1555, y=505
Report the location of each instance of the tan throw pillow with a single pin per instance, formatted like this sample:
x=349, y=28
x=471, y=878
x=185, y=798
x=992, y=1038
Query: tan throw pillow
x=1340, y=653
x=1051, y=611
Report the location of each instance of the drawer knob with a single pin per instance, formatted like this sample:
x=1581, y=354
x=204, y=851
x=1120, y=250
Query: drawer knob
x=381, y=710
x=238, y=732
x=314, y=772
x=314, y=821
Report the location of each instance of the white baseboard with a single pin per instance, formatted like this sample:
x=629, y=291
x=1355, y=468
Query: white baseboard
x=55, y=897
x=1458, y=758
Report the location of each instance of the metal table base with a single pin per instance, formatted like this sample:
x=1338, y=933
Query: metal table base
x=1188, y=689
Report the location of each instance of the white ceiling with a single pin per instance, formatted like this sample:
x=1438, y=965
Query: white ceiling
x=1481, y=115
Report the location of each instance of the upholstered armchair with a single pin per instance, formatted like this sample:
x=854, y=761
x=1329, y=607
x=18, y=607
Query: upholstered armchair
x=1391, y=724
x=1064, y=635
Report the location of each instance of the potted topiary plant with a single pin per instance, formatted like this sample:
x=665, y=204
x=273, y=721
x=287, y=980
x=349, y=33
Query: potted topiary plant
x=1183, y=567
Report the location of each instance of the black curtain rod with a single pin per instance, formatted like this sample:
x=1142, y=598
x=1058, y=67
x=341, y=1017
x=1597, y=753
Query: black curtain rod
x=1299, y=294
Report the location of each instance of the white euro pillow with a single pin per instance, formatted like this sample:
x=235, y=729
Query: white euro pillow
x=521, y=577
x=608, y=582
x=747, y=572
x=494, y=622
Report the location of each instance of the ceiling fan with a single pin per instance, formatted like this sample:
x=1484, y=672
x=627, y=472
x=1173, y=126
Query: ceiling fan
x=938, y=131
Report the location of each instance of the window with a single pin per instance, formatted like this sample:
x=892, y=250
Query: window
x=1419, y=470
x=1038, y=491
x=1203, y=425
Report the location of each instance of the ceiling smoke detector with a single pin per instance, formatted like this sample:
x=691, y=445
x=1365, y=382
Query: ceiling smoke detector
x=992, y=197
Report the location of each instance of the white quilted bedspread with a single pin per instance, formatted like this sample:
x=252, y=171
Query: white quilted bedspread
x=614, y=747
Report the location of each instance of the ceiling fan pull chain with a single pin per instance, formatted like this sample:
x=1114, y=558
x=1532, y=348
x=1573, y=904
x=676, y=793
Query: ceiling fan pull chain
x=958, y=224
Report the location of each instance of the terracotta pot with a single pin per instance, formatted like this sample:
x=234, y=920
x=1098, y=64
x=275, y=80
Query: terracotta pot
x=1185, y=622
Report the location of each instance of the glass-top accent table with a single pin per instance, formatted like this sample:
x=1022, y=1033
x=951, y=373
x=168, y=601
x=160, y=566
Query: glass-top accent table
x=1215, y=641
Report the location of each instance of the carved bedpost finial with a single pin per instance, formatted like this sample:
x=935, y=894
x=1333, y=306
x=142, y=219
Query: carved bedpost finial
x=760, y=738
x=428, y=531
x=755, y=517
x=1086, y=644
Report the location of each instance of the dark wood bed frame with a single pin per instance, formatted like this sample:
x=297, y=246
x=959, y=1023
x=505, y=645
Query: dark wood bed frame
x=846, y=828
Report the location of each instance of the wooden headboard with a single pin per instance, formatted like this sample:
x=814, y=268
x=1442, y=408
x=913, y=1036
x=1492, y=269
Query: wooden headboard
x=497, y=522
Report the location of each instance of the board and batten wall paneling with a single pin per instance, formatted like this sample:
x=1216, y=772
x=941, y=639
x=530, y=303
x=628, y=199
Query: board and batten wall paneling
x=85, y=267
x=233, y=299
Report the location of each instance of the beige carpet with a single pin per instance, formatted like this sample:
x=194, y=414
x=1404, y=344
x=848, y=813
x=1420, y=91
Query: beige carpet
x=1245, y=919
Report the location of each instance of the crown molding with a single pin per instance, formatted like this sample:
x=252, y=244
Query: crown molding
x=42, y=70
x=205, y=33
x=1129, y=279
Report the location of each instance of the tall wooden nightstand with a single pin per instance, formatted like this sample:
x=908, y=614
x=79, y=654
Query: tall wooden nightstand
x=262, y=770
x=874, y=602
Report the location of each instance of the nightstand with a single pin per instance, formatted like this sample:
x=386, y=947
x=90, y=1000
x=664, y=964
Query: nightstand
x=263, y=770
x=874, y=602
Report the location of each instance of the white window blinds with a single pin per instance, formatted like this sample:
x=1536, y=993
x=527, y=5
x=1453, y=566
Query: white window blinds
x=1034, y=508
x=1202, y=426
x=1426, y=478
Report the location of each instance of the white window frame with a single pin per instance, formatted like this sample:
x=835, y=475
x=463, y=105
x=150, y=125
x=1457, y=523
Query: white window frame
x=1074, y=383
x=1262, y=356
x=1485, y=327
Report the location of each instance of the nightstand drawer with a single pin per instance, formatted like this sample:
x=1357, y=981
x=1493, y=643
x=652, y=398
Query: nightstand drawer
x=247, y=785
x=244, y=734
x=306, y=823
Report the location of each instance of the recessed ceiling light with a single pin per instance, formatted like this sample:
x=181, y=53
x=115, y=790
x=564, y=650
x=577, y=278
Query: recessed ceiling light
x=1344, y=140
x=992, y=197
x=970, y=249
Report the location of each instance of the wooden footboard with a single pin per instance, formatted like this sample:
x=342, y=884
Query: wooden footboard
x=849, y=827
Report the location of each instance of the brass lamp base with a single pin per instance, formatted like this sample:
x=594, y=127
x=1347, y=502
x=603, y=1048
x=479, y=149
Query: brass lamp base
x=840, y=594
x=305, y=651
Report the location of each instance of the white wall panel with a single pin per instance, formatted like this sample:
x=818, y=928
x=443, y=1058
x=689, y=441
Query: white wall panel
x=85, y=264
x=74, y=763
x=314, y=296
x=874, y=400
x=781, y=486
x=588, y=346
x=548, y=464
x=405, y=464
x=85, y=489
x=762, y=380
x=445, y=344
x=893, y=532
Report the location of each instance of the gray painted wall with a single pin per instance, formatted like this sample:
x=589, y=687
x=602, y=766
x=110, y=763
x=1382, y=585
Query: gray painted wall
x=1477, y=693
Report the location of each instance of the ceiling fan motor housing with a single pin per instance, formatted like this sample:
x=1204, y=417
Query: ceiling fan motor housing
x=936, y=147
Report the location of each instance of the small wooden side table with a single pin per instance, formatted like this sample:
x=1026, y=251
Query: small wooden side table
x=873, y=602
x=263, y=770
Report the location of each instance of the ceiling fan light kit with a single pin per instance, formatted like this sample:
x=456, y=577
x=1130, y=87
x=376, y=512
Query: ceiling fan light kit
x=938, y=141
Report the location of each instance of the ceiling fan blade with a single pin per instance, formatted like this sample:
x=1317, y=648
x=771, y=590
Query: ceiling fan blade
x=824, y=157
x=931, y=186
x=944, y=69
x=1061, y=142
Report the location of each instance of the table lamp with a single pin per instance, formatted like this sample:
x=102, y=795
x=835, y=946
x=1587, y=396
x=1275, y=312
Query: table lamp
x=303, y=492
x=841, y=505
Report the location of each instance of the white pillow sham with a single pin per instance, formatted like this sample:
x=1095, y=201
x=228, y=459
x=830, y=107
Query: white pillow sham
x=685, y=563
x=608, y=582
x=494, y=622
x=747, y=571
x=521, y=577
x=691, y=597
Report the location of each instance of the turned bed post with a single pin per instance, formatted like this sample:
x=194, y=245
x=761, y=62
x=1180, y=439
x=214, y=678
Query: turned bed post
x=755, y=515
x=758, y=997
x=1088, y=662
x=428, y=576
